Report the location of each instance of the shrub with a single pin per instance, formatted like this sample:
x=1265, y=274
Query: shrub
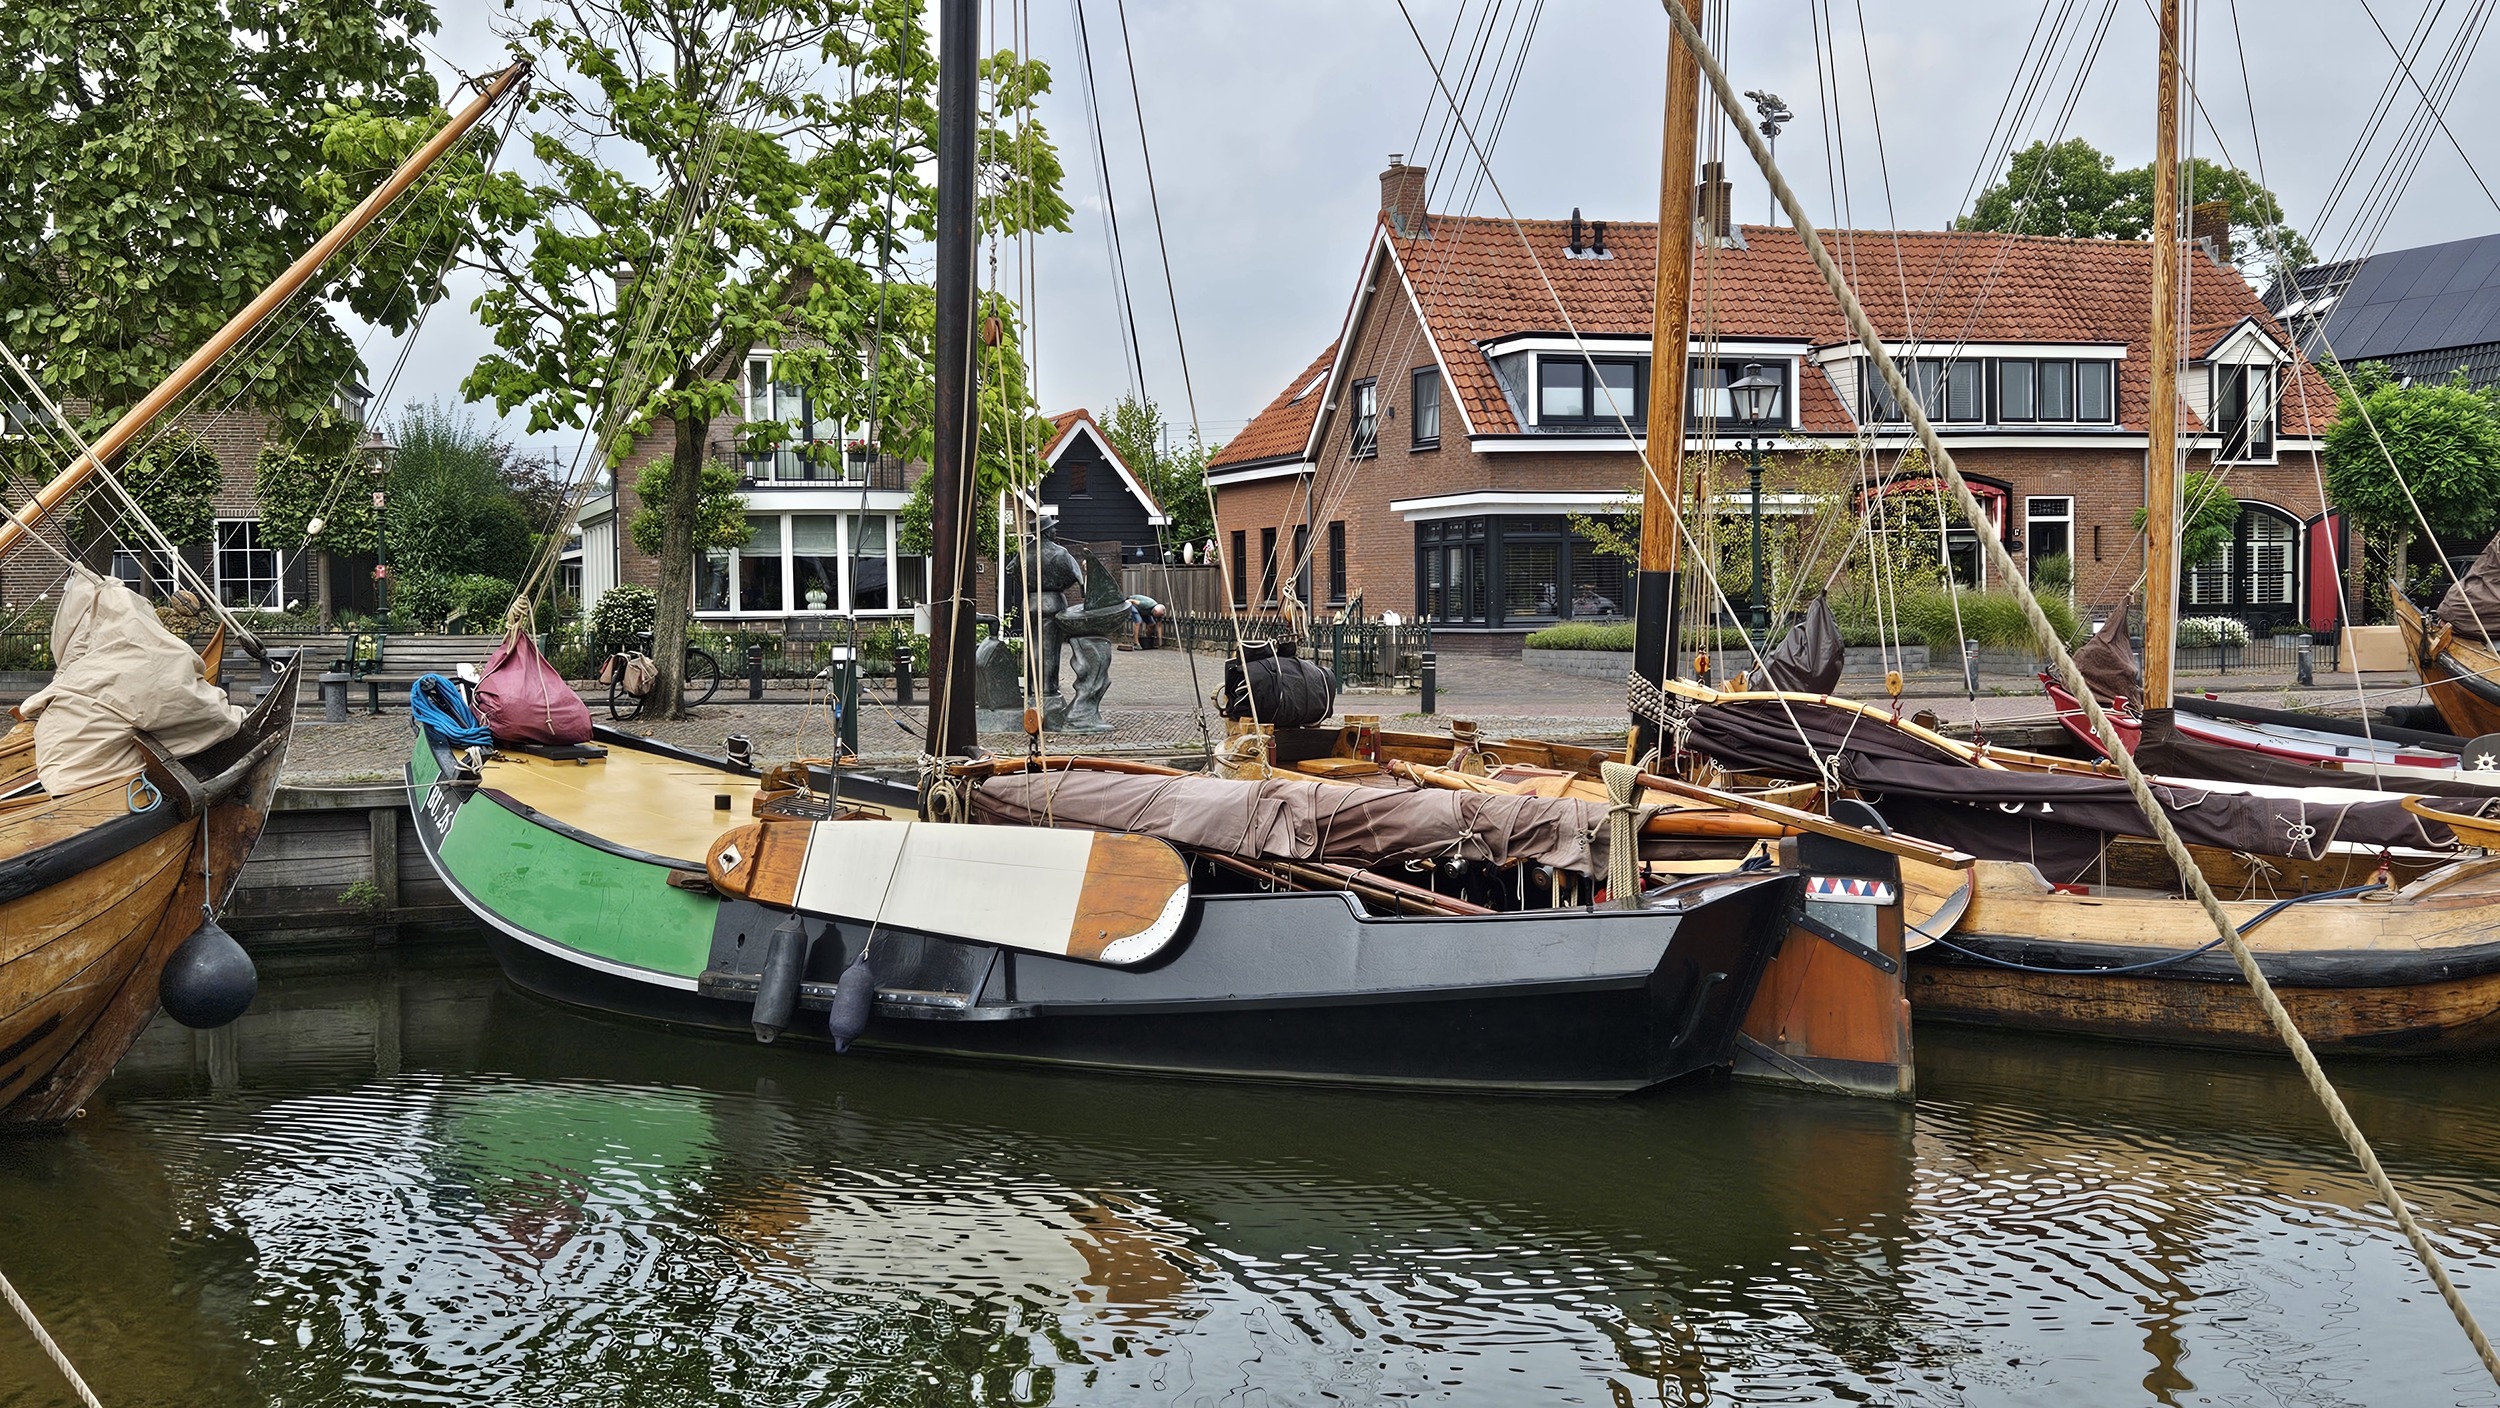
x=1992, y=618
x=2054, y=575
x=622, y=614
x=2203, y=631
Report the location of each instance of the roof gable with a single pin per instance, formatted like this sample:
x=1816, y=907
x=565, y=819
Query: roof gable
x=1079, y=425
x=1283, y=429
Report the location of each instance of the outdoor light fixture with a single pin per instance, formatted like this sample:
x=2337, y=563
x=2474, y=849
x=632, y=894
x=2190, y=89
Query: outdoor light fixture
x=1756, y=396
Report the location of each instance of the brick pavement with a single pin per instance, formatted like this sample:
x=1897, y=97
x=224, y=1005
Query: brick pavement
x=1151, y=709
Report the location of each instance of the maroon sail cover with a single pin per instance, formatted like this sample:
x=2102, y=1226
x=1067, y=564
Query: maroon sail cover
x=521, y=698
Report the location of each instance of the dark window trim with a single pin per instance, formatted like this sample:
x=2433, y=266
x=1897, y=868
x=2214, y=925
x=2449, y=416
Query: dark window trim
x=1366, y=437
x=1638, y=416
x=1267, y=567
x=1241, y=568
x=1423, y=383
x=1336, y=562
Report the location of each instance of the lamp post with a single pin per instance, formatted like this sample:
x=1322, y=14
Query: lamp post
x=1771, y=115
x=1755, y=398
x=378, y=457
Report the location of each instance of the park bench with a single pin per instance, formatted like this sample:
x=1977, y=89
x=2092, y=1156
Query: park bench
x=404, y=659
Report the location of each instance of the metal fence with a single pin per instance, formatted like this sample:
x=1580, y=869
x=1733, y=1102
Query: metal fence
x=1365, y=652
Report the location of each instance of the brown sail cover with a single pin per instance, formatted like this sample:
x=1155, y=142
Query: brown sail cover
x=1291, y=819
x=2054, y=820
x=2107, y=661
x=1810, y=658
x=2472, y=605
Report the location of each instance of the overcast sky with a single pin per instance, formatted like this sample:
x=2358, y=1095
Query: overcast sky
x=1270, y=122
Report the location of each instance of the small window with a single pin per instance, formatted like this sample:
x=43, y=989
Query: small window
x=1561, y=389
x=1964, y=398
x=2017, y=391
x=2057, y=391
x=1336, y=563
x=247, y=573
x=2094, y=392
x=1613, y=393
x=1267, y=566
x=1706, y=391
x=1298, y=570
x=1366, y=419
x=2243, y=413
x=2049, y=533
x=1076, y=477
x=1426, y=400
x=144, y=570
x=1240, y=564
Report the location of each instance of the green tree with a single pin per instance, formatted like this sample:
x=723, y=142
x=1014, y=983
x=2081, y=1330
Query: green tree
x=2074, y=188
x=1013, y=429
x=2209, y=518
x=175, y=482
x=163, y=165
x=720, y=508
x=1175, y=474
x=715, y=178
x=2440, y=440
x=320, y=503
x=452, y=511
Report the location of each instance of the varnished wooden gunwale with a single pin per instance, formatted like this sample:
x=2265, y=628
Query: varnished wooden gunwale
x=2462, y=678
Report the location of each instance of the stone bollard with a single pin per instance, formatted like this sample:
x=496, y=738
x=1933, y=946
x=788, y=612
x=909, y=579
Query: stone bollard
x=1431, y=670
x=902, y=675
x=334, y=697
x=1970, y=666
x=755, y=672
x=2305, y=668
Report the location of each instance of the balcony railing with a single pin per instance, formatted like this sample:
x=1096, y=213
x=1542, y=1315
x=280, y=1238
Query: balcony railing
x=796, y=465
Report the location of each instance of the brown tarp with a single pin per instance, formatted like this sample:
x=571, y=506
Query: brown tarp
x=2107, y=661
x=1810, y=658
x=119, y=673
x=1292, y=819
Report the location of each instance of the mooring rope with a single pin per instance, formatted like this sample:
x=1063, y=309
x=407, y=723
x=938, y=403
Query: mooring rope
x=1864, y=329
x=51, y=1349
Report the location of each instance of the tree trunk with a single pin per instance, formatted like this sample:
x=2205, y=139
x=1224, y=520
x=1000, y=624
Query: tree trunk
x=676, y=589
x=321, y=588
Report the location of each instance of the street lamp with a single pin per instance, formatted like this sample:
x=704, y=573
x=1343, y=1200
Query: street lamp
x=1755, y=397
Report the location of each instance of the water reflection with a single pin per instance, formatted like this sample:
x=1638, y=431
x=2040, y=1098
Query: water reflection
x=406, y=1183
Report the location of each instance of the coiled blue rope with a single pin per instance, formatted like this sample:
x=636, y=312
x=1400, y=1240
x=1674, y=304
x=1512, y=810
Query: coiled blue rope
x=436, y=702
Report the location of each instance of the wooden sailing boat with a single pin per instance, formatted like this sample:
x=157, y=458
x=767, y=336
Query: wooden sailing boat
x=1285, y=945
x=100, y=887
x=2460, y=666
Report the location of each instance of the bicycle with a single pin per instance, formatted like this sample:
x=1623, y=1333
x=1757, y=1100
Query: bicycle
x=632, y=675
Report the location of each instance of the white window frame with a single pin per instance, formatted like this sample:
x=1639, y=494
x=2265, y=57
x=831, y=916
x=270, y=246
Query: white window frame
x=217, y=566
x=762, y=363
x=2254, y=375
x=792, y=605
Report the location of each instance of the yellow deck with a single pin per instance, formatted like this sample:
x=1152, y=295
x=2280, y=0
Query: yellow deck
x=632, y=798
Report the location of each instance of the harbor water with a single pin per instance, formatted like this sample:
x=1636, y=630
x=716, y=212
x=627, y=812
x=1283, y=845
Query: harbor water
x=401, y=1181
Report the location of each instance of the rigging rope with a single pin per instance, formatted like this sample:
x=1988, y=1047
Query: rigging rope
x=2172, y=844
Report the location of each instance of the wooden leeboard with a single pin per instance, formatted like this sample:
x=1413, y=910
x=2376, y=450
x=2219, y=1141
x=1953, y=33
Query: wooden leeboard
x=1102, y=897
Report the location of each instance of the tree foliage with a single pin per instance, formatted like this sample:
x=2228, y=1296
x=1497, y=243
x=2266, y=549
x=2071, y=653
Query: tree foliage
x=452, y=511
x=2441, y=440
x=2074, y=188
x=1175, y=474
x=2209, y=518
x=720, y=512
x=163, y=165
x=295, y=488
x=715, y=178
x=175, y=481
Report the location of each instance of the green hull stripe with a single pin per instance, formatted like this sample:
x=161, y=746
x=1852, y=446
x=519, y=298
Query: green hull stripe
x=603, y=904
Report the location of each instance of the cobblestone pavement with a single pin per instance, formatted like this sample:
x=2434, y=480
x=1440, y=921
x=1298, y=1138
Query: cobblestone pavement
x=1151, y=709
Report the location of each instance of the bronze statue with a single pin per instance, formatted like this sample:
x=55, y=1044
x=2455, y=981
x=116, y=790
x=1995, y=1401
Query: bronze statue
x=1072, y=600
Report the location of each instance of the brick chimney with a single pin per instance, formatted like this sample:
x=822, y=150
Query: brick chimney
x=1402, y=195
x=1713, y=220
x=2209, y=225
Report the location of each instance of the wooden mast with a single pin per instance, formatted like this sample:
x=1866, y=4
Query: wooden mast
x=2161, y=418
x=1655, y=648
x=136, y=420
x=951, y=730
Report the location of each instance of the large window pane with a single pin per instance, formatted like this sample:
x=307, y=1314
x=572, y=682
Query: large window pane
x=1927, y=384
x=712, y=575
x=1426, y=398
x=2017, y=397
x=2092, y=392
x=1616, y=390
x=1562, y=392
x=2268, y=545
x=1531, y=580
x=2057, y=391
x=815, y=560
x=911, y=580
x=1597, y=581
x=1964, y=400
x=759, y=565
x=871, y=589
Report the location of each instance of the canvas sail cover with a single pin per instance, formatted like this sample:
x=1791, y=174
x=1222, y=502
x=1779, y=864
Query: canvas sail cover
x=521, y=698
x=2054, y=820
x=2107, y=662
x=1810, y=658
x=2472, y=605
x=1281, y=818
x=117, y=672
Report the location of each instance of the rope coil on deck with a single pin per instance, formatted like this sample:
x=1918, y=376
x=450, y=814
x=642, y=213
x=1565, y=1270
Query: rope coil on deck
x=2064, y=663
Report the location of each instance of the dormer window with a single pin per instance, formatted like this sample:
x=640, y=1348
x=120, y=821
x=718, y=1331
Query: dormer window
x=2243, y=404
x=1605, y=392
x=1708, y=382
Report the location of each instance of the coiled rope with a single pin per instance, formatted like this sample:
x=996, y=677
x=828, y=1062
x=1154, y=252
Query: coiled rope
x=51, y=1349
x=2003, y=563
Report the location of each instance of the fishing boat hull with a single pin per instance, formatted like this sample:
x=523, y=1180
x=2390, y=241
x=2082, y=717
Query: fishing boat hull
x=1275, y=986
x=2416, y=974
x=2461, y=676
x=99, y=887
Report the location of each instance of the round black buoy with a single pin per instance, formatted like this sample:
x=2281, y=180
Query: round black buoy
x=210, y=979
x=853, y=1000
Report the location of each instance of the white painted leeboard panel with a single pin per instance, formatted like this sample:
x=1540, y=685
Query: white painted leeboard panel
x=1010, y=885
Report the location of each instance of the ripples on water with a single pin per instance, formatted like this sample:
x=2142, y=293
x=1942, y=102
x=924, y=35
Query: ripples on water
x=411, y=1185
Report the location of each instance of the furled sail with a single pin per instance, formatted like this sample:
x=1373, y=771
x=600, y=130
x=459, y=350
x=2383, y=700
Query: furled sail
x=2107, y=661
x=1811, y=656
x=118, y=672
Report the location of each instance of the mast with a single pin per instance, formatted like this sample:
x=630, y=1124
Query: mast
x=1655, y=648
x=136, y=420
x=951, y=733
x=2161, y=418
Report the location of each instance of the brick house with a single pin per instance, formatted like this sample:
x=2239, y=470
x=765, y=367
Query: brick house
x=1489, y=381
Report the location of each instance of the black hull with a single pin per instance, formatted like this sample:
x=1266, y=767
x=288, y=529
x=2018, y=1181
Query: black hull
x=1601, y=1030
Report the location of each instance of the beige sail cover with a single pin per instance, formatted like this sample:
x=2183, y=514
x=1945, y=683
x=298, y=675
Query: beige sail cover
x=2472, y=603
x=118, y=671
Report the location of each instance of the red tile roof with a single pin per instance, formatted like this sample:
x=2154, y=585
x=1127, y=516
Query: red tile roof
x=1285, y=426
x=1475, y=282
